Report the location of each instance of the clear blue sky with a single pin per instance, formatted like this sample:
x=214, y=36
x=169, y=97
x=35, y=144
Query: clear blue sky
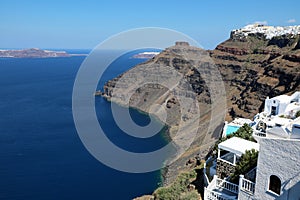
x=84, y=24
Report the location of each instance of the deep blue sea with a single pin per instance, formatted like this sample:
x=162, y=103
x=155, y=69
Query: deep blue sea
x=41, y=155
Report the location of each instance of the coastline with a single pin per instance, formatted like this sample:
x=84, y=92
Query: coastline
x=197, y=150
x=165, y=136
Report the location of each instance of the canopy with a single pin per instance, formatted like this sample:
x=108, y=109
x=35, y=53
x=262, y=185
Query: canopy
x=238, y=145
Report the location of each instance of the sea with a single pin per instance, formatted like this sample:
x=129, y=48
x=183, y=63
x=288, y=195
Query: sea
x=41, y=155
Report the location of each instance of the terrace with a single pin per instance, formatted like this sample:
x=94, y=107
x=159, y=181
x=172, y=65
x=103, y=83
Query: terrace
x=229, y=153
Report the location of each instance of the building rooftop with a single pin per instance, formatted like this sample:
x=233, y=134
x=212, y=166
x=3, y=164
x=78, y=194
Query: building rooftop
x=283, y=98
x=278, y=121
x=238, y=145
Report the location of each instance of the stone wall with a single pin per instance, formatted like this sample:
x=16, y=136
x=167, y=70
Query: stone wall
x=224, y=169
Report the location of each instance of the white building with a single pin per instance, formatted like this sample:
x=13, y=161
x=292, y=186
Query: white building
x=277, y=175
x=283, y=105
x=278, y=112
x=268, y=31
x=278, y=170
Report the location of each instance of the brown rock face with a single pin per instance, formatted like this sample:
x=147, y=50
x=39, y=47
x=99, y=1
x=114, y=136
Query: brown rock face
x=254, y=68
x=197, y=83
x=251, y=68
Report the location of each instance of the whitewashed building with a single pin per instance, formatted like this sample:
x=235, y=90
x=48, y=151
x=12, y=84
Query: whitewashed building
x=268, y=31
x=277, y=175
x=279, y=112
x=283, y=105
x=278, y=170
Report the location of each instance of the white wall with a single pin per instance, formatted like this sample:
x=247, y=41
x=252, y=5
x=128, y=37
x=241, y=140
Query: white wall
x=296, y=97
x=269, y=103
x=278, y=157
x=281, y=106
x=295, y=131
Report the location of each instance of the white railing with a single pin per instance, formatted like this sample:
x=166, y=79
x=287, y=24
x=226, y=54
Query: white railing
x=213, y=183
x=246, y=185
x=206, y=179
x=212, y=195
x=259, y=134
x=226, y=185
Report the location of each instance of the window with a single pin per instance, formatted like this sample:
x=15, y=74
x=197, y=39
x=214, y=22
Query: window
x=275, y=184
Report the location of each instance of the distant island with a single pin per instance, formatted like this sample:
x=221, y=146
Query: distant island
x=35, y=53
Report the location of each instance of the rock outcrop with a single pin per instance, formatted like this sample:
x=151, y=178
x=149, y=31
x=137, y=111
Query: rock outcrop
x=254, y=68
x=251, y=67
x=182, y=72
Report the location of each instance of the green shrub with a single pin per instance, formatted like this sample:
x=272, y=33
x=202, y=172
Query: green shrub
x=297, y=114
x=178, y=189
x=193, y=195
x=247, y=162
x=245, y=132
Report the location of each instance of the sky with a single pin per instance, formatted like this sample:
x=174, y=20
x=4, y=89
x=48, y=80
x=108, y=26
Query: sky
x=84, y=24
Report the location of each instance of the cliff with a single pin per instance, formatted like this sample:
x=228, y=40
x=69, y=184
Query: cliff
x=195, y=67
x=252, y=66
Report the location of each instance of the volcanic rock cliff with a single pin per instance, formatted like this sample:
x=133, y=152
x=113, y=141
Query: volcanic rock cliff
x=251, y=68
x=182, y=72
x=254, y=67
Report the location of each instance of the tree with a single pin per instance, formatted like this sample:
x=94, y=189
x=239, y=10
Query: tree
x=244, y=132
x=247, y=162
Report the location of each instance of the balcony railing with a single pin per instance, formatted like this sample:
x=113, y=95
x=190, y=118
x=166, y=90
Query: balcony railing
x=217, y=188
x=213, y=195
x=226, y=185
x=246, y=185
x=259, y=134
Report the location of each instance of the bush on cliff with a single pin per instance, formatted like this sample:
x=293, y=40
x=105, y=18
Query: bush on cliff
x=178, y=189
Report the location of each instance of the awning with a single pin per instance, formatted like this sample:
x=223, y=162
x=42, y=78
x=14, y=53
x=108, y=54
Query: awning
x=238, y=145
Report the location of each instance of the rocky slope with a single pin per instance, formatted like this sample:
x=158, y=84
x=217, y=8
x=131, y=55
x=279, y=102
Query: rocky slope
x=182, y=72
x=252, y=67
